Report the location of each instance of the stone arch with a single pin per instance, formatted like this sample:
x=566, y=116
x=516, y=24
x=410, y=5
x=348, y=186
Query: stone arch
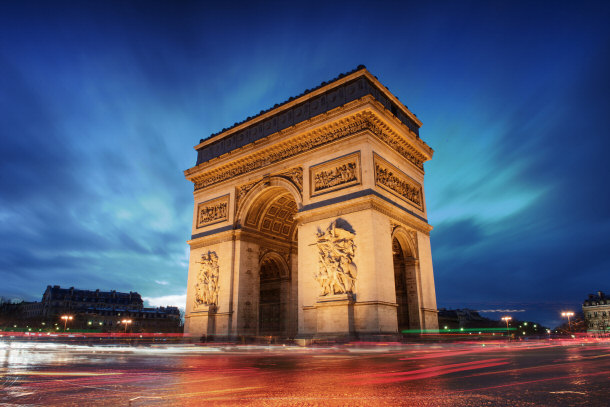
x=406, y=279
x=269, y=235
x=274, y=295
x=262, y=191
x=281, y=263
x=406, y=240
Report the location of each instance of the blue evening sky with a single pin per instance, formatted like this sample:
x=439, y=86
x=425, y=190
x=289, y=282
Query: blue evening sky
x=101, y=103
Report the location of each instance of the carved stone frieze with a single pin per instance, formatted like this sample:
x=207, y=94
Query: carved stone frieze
x=393, y=225
x=394, y=180
x=241, y=192
x=295, y=175
x=206, y=288
x=307, y=142
x=213, y=211
x=339, y=173
x=336, y=272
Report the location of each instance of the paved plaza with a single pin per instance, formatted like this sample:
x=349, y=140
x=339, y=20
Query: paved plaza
x=478, y=373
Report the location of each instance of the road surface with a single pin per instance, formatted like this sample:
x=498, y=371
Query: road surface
x=547, y=373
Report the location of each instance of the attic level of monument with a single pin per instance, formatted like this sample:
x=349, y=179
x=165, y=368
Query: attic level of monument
x=310, y=220
x=328, y=96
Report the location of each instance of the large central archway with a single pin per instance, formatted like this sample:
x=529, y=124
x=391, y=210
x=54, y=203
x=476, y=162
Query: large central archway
x=269, y=226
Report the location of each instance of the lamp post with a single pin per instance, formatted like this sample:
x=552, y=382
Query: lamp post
x=126, y=322
x=506, y=319
x=568, y=314
x=66, y=318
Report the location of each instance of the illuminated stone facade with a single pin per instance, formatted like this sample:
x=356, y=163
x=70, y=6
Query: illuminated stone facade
x=310, y=220
x=596, y=310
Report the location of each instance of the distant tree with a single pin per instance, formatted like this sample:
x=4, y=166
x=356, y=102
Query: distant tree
x=577, y=324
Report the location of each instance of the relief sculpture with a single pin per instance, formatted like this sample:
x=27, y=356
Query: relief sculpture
x=213, y=211
x=206, y=289
x=336, y=269
x=296, y=176
x=296, y=147
x=339, y=173
x=335, y=176
x=398, y=183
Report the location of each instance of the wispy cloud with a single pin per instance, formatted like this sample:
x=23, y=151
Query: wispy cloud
x=502, y=310
x=178, y=300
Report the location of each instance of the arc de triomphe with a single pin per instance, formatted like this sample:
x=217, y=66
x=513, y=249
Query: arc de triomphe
x=310, y=220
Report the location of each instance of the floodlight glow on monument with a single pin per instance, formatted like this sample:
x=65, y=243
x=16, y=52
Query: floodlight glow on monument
x=309, y=220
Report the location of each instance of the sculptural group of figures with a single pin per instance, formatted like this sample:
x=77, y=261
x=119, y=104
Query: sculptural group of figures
x=206, y=289
x=336, y=176
x=336, y=269
x=399, y=185
x=211, y=213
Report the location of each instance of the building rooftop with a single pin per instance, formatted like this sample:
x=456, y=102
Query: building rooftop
x=84, y=295
x=344, y=88
x=596, y=299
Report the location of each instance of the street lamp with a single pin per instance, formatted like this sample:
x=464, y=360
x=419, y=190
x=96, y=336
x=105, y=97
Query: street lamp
x=568, y=314
x=126, y=322
x=66, y=318
x=506, y=319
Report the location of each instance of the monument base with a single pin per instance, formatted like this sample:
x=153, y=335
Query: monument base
x=335, y=316
x=201, y=323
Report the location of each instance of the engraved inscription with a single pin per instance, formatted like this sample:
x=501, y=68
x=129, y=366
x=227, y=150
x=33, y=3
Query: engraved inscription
x=214, y=211
x=391, y=178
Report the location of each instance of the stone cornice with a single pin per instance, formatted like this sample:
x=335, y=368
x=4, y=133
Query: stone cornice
x=383, y=303
x=361, y=204
x=364, y=114
x=211, y=239
x=254, y=236
x=244, y=234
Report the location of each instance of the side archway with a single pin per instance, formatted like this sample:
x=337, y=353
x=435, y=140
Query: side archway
x=406, y=280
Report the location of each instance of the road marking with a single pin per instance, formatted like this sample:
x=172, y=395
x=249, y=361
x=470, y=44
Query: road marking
x=567, y=391
x=30, y=373
x=577, y=376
